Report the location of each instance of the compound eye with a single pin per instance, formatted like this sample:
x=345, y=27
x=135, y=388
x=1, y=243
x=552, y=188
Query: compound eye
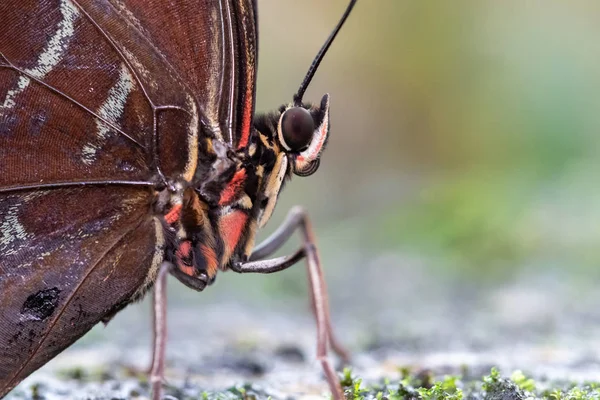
x=297, y=128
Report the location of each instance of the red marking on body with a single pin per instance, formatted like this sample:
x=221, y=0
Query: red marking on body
x=184, y=251
x=231, y=227
x=322, y=137
x=174, y=214
x=212, y=264
x=233, y=187
x=246, y=119
x=186, y=269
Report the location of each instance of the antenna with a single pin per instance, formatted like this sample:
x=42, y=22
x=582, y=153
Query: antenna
x=315, y=64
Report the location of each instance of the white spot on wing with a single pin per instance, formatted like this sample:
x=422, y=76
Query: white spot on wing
x=57, y=44
x=140, y=69
x=50, y=56
x=111, y=110
x=12, y=229
x=9, y=100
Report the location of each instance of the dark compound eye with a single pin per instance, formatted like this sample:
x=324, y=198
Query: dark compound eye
x=297, y=128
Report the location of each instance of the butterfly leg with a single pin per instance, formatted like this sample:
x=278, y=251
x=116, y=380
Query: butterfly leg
x=159, y=313
x=153, y=313
x=160, y=330
x=298, y=219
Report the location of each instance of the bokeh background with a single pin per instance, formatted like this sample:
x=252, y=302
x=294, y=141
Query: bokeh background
x=465, y=131
x=463, y=151
x=456, y=206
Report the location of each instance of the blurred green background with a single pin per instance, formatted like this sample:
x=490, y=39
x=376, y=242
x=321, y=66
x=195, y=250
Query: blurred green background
x=463, y=132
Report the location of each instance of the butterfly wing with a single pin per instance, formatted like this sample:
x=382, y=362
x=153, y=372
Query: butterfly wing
x=98, y=101
x=220, y=71
x=81, y=93
x=223, y=82
x=65, y=266
x=133, y=91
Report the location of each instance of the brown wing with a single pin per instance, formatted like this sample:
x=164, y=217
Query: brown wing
x=65, y=266
x=109, y=94
x=103, y=90
x=71, y=109
x=212, y=44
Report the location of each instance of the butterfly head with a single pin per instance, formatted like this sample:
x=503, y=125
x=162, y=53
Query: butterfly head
x=301, y=131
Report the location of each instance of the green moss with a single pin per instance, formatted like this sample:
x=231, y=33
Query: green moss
x=347, y=380
x=494, y=386
x=587, y=392
x=411, y=385
x=522, y=381
x=444, y=389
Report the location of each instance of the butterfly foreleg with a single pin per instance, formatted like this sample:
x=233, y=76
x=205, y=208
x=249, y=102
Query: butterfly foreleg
x=297, y=219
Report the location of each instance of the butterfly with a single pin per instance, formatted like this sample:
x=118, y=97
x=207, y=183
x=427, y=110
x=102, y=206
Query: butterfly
x=129, y=151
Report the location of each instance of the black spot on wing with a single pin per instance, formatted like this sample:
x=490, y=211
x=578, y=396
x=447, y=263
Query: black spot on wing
x=40, y=305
